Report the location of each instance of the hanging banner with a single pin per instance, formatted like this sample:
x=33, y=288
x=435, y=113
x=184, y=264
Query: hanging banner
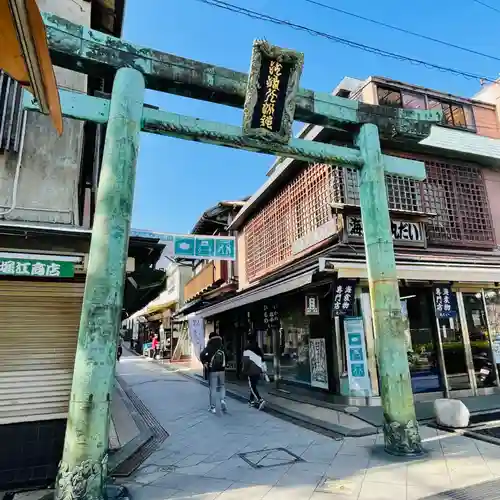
x=312, y=305
x=446, y=301
x=197, y=334
x=317, y=363
x=271, y=316
x=357, y=366
x=343, y=297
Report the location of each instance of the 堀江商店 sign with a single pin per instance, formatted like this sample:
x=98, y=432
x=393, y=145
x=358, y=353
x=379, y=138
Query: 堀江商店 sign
x=36, y=268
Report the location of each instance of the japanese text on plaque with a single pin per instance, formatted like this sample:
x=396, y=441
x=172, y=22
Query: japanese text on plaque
x=272, y=90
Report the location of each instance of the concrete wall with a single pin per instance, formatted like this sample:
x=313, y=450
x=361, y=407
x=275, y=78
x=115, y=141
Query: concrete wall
x=486, y=121
x=50, y=166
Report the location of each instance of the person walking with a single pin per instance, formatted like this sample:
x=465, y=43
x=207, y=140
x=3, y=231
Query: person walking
x=119, y=349
x=213, y=358
x=254, y=367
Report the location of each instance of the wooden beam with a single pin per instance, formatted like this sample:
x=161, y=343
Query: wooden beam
x=87, y=51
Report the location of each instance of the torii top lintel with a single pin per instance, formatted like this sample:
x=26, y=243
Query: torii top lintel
x=88, y=51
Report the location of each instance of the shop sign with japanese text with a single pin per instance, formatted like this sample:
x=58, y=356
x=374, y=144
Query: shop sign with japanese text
x=343, y=297
x=445, y=301
x=36, y=268
x=402, y=231
x=271, y=316
x=312, y=305
x=272, y=86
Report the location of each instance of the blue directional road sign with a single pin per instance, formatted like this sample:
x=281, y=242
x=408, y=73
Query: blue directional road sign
x=191, y=246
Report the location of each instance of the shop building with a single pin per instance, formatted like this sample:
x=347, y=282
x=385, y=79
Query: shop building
x=158, y=316
x=303, y=284
x=47, y=202
x=211, y=281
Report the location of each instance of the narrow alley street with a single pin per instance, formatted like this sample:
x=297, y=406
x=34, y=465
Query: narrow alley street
x=221, y=457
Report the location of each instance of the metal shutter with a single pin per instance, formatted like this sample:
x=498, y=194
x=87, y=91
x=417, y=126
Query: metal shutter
x=38, y=334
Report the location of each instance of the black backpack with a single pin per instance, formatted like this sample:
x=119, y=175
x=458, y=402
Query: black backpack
x=218, y=361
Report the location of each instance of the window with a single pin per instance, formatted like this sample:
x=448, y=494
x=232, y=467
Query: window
x=413, y=101
x=455, y=114
x=389, y=97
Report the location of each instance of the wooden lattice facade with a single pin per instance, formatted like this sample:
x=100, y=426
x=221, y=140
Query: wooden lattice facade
x=453, y=193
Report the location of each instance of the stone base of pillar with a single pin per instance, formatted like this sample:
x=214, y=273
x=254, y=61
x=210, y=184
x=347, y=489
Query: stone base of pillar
x=111, y=492
x=402, y=440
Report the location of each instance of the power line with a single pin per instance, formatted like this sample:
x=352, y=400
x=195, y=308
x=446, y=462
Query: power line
x=344, y=41
x=402, y=30
x=487, y=5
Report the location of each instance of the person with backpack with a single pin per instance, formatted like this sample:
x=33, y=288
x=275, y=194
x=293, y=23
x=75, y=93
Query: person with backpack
x=213, y=358
x=254, y=367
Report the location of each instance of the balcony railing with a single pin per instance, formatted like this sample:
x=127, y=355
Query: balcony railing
x=212, y=275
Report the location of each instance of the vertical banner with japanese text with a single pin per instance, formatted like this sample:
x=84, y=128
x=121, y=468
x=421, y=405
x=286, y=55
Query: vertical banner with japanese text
x=357, y=365
x=197, y=334
x=445, y=301
x=317, y=363
x=343, y=297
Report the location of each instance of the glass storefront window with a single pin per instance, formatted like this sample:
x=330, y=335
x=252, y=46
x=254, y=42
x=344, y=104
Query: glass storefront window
x=492, y=299
x=454, y=353
x=477, y=325
x=417, y=314
x=294, y=346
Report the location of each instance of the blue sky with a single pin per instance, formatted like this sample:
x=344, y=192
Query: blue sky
x=177, y=180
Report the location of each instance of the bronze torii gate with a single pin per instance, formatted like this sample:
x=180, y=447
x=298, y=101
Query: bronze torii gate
x=272, y=99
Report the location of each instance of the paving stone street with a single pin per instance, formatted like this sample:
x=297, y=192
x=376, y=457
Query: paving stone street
x=247, y=454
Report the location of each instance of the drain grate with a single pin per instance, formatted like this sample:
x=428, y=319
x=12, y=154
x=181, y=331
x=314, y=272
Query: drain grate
x=483, y=491
x=273, y=457
x=159, y=434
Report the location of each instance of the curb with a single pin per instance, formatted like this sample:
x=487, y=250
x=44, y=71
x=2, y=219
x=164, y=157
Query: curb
x=152, y=434
x=118, y=458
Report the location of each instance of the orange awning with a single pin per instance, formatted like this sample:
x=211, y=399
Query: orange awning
x=24, y=54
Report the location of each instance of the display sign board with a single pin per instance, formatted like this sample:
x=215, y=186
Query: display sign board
x=312, y=305
x=194, y=247
x=343, y=297
x=272, y=86
x=197, y=334
x=445, y=301
x=317, y=363
x=402, y=230
x=357, y=366
x=36, y=268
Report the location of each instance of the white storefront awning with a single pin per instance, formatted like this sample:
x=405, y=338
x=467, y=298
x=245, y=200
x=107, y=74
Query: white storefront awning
x=435, y=272
x=271, y=290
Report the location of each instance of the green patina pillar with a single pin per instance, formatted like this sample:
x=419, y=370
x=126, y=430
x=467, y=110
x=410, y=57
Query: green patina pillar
x=400, y=424
x=83, y=469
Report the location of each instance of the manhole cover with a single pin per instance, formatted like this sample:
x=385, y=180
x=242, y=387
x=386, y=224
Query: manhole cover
x=272, y=457
x=351, y=409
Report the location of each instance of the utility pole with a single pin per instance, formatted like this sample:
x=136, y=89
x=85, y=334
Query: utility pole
x=401, y=434
x=83, y=469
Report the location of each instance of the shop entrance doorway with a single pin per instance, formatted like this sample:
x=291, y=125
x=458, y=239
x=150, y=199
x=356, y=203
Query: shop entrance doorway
x=466, y=339
x=421, y=338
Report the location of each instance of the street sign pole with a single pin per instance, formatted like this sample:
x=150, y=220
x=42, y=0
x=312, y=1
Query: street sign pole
x=83, y=468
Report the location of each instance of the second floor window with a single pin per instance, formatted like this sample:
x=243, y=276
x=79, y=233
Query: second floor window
x=455, y=114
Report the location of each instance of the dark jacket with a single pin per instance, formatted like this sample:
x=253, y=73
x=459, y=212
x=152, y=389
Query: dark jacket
x=253, y=361
x=213, y=345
